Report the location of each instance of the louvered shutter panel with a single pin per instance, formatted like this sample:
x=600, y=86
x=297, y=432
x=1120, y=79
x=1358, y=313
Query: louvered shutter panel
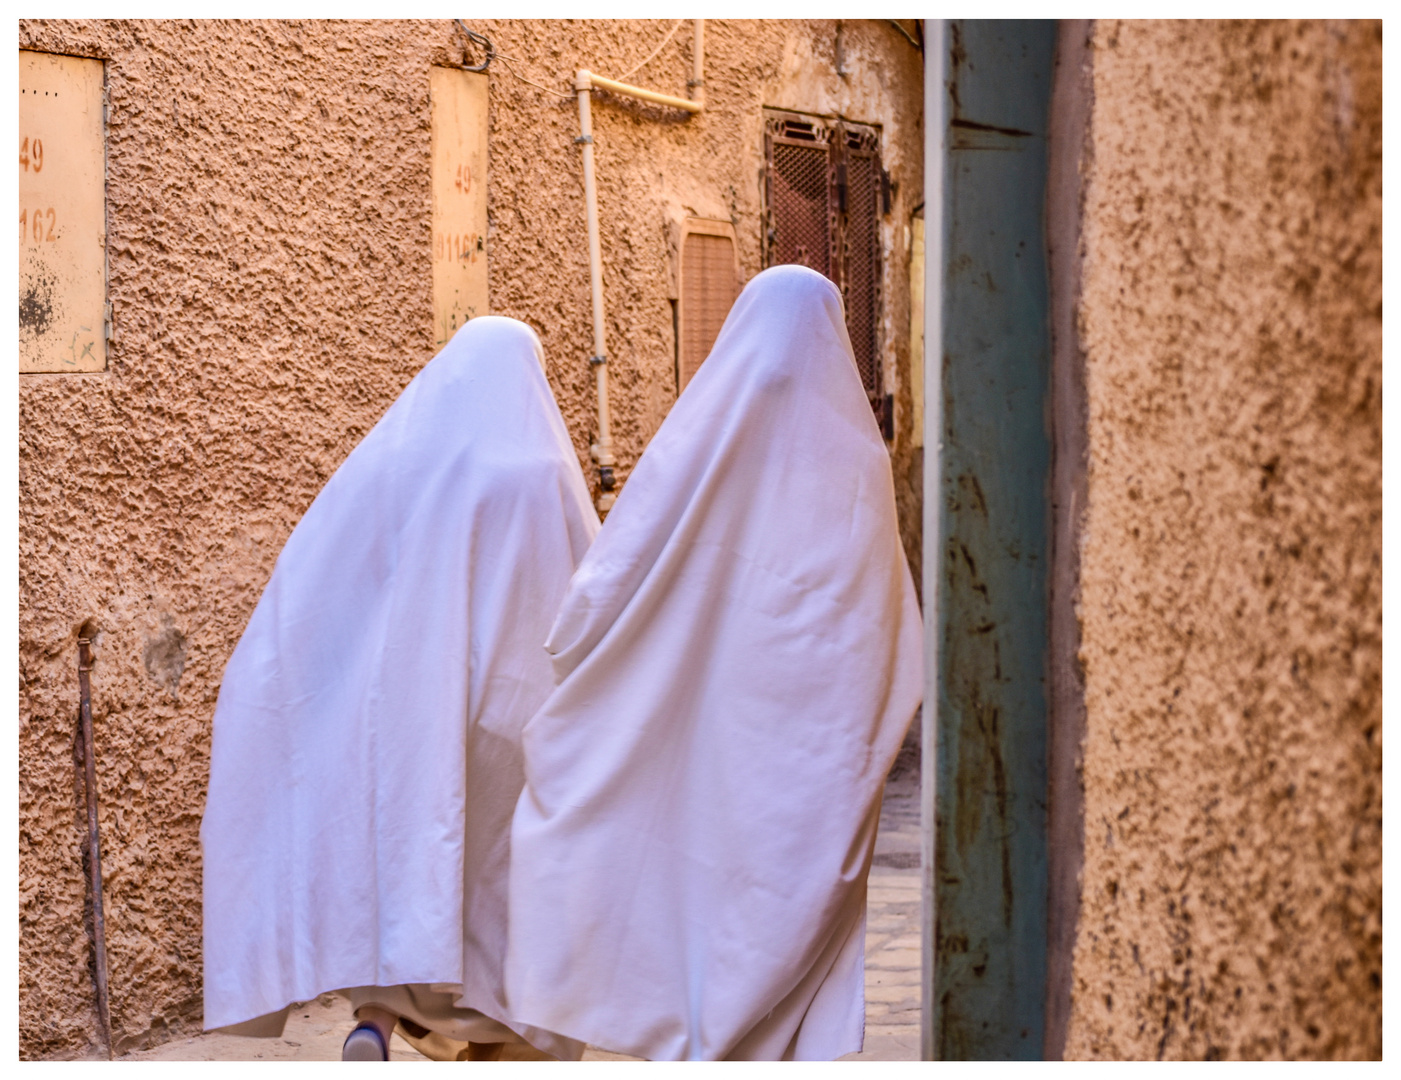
x=708, y=290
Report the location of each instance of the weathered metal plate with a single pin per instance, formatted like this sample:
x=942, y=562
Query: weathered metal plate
x=459, y=162
x=990, y=863
x=62, y=215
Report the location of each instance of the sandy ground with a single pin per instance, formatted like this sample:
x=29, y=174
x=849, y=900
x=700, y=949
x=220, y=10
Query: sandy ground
x=316, y=1031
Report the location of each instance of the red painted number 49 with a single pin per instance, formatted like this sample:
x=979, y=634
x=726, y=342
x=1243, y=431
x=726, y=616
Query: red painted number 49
x=34, y=157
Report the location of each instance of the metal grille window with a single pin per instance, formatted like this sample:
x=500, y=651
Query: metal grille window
x=800, y=201
x=825, y=192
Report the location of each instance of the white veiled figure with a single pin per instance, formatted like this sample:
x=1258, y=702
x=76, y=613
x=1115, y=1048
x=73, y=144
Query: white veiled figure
x=738, y=658
x=366, y=757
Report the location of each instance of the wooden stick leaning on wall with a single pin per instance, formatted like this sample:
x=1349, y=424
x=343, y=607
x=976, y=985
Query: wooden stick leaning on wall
x=94, y=852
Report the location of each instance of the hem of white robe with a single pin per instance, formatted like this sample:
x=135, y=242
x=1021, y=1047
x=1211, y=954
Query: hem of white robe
x=853, y=938
x=441, y=1016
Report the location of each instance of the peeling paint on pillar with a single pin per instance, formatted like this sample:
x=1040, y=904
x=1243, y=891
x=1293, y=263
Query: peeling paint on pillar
x=990, y=860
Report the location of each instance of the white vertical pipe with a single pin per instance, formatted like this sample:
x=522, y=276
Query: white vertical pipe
x=697, y=83
x=935, y=232
x=602, y=450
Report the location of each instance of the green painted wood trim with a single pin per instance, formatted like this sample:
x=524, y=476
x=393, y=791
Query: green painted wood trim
x=991, y=545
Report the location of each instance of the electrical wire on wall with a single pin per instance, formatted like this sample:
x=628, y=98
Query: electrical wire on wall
x=653, y=54
x=492, y=53
x=484, y=42
x=585, y=84
x=918, y=43
x=507, y=61
x=481, y=41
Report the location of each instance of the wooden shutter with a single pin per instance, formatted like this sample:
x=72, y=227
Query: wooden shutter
x=708, y=285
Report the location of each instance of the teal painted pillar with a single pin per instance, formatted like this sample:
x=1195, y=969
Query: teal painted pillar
x=986, y=527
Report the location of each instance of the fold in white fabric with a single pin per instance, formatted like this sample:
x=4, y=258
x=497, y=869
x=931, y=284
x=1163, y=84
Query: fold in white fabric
x=738, y=658
x=366, y=756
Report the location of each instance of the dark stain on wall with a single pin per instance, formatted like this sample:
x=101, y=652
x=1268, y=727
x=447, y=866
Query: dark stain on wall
x=36, y=302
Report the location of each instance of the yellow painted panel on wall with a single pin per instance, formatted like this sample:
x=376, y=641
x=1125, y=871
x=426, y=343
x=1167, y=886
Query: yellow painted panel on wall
x=62, y=221
x=459, y=103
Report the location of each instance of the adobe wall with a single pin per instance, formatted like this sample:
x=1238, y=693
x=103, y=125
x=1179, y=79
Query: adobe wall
x=1231, y=560
x=269, y=271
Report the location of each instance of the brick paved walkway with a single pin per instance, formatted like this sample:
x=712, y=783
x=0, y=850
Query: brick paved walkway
x=316, y=1031
x=892, y=930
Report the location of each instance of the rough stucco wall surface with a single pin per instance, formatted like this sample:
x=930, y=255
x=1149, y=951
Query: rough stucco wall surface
x=1231, y=581
x=653, y=166
x=268, y=221
x=269, y=270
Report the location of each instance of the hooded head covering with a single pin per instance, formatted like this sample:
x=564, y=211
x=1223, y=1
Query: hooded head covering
x=366, y=754
x=738, y=657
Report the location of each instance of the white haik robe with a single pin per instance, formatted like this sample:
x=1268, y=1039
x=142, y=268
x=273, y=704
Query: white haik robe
x=738, y=657
x=366, y=756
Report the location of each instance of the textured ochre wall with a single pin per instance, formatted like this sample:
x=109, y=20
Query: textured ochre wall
x=269, y=262
x=1231, y=558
